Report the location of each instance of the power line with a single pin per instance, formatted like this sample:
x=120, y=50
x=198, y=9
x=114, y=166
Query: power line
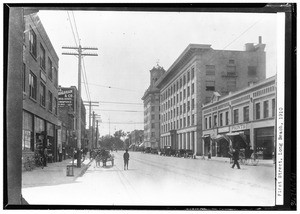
x=72, y=28
x=123, y=122
x=76, y=27
x=122, y=103
x=123, y=89
x=117, y=110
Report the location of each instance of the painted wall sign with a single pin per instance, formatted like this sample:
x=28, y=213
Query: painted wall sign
x=223, y=129
x=238, y=127
x=66, y=97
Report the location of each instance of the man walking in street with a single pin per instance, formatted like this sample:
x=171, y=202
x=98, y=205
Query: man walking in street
x=236, y=159
x=126, y=159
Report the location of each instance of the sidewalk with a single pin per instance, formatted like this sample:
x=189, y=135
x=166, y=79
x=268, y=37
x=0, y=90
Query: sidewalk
x=53, y=174
x=268, y=163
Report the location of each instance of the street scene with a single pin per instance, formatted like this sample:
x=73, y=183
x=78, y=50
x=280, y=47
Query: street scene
x=159, y=180
x=117, y=108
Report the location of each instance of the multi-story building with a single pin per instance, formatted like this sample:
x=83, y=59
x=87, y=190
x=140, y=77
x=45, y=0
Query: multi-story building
x=68, y=115
x=40, y=89
x=151, y=109
x=190, y=82
x=240, y=119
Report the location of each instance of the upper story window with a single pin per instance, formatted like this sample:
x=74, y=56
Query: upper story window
x=210, y=85
x=32, y=42
x=221, y=119
x=210, y=70
x=227, y=118
x=152, y=108
x=184, y=80
x=215, y=120
x=188, y=91
x=231, y=61
x=50, y=106
x=209, y=122
x=252, y=71
x=205, y=123
x=24, y=77
x=257, y=111
x=43, y=57
x=180, y=82
x=193, y=119
x=231, y=85
x=193, y=104
x=235, y=116
x=183, y=93
x=266, y=108
x=273, y=107
x=50, y=69
x=43, y=95
x=246, y=113
x=193, y=73
x=231, y=70
x=55, y=105
x=55, y=78
x=32, y=86
x=188, y=76
x=193, y=88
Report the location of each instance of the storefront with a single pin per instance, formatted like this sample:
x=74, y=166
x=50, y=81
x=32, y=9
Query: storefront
x=40, y=133
x=51, y=142
x=264, y=142
x=28, y=134
x=222, y=145
x=206, y=144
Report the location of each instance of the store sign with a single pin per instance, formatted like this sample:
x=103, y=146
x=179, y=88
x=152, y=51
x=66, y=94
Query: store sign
x=223, y=129
x=238, y=127
x=66, y=97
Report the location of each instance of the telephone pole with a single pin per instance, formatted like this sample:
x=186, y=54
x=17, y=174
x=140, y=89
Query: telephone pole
x=90, y=104
x=80, y=54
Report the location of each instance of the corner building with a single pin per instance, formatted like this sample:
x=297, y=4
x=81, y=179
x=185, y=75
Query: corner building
x=152, y=110
x=191, y=81
x=240, y=119
x=40, y=90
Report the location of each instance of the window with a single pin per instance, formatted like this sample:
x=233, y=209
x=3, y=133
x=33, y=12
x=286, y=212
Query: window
x=184, y=80
x=210, y=70
x=231, y=61
x=188, y=77
x=181, y=96
x=50, y=69
x=184, y=107
x=177, y=85
x=206, y=123
x=215, y=120
x=43, y=95
x=188, y=121
x=184, y=122
x=193, y=73
x=188, y=91
x=231, y=85
x=32, y=43
x=193, y=104
x=209, y=121
x=210, y=85
x=177, y=96
x=55, y=105
x=183, y=93
x=221, y=119
x=177, y=111
x=252, y=71
x=257, y=111
x=50, y=100
x=55, y=78
x=152, y=116
x=193, y=119
x=24, y=77
x=235, y=116
x=227, y=117
x=246, y=113
x=273, y=107
x=152, y=108
x=266, y=108
x=231, y=70
x=32, y=86
x=43, y=57
x=180, y=123
x=188, y=106
x=152, y=125
x=152, y=134
x=193, y=88
x=180, y=83
x=180, y=109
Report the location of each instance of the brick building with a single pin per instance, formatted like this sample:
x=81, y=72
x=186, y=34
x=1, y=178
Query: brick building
x=151, y=110
x=240, y=119
x=40, y=89
x=68, y=116
x=191, y=81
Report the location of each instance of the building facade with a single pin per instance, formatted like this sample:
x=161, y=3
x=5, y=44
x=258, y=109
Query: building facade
x=40, y=89
x=191, y=81
x=243, y=118
x=151, y=110
x=136, y=138
x=68, y=115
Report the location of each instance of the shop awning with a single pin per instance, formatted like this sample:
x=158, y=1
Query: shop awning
x=234, y=133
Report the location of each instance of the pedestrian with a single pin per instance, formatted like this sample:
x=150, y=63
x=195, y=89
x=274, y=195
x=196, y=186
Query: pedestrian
x=45, y=156
x=126, y=159
x=236, y=158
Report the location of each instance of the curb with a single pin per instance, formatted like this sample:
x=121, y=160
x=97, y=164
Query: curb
x=84, y=169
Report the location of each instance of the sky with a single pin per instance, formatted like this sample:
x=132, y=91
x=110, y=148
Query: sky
x=132, y=43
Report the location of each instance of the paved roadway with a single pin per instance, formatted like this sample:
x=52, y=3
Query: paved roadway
x=159, y=180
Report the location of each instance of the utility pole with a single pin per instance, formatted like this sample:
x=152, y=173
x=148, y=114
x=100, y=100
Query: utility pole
x=80, y=54
x=90, y=104
x=93, y=127
x=97, y=133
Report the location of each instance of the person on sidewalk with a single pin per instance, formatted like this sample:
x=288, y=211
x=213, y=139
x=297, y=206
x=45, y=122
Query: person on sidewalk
x=236, y=159
x=126, y=159
x=45, y=156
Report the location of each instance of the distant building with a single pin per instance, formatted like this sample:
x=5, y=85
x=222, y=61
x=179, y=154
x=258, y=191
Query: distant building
x=245, y=117
x=136, y=138
x=151, y=109
x=68, y=115
x=191, y=81
x=40, y=89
